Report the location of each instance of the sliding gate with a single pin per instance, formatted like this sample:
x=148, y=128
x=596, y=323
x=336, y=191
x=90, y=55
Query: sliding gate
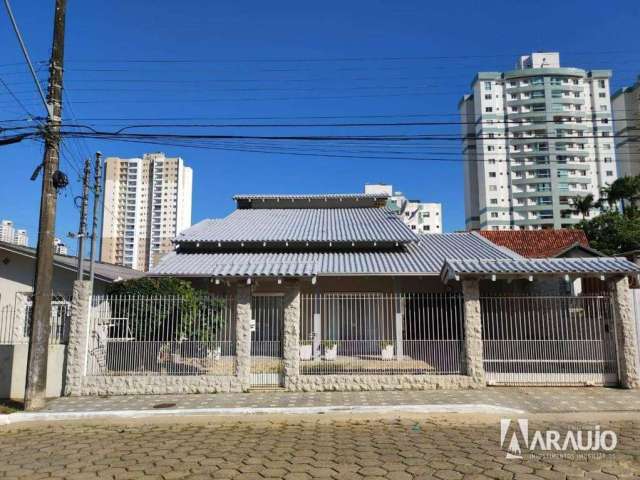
x=549, y=340
x=267, y=332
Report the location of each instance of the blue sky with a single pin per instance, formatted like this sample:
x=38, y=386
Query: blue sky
x=284, y=62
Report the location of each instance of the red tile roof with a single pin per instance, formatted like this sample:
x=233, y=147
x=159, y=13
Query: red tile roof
x=536, y=243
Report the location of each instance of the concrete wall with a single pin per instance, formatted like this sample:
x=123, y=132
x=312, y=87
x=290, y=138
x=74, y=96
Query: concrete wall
x=13, y=370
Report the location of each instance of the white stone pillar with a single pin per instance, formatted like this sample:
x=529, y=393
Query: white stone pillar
x=626, y=341
x=20, y=320
x=473, y=330
x=78, y=338
x=317, y=326
x=291, y=340
x=243, y=335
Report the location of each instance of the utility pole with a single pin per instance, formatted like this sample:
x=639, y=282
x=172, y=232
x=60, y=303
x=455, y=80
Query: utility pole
x=82, y=231
x=96, y=203
x=35, y=390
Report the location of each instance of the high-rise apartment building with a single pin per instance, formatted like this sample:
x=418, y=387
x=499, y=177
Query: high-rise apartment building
x=59, y=248
x=626, y=122
x=9, y=234
x=147, y=202
x=535, y=138
x=419, y=216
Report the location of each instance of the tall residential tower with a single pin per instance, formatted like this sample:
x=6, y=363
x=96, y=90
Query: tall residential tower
x=147, y=202
x=626, y=120
x=535, y=138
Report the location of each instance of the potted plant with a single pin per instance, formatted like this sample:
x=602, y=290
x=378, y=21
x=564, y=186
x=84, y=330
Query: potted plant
x=306, y=350
x=330, y=349
x=386, y=349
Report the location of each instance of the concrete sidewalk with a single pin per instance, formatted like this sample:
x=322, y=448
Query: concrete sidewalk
x=490, y=400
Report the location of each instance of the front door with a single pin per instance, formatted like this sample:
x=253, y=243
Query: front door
x=266, y=340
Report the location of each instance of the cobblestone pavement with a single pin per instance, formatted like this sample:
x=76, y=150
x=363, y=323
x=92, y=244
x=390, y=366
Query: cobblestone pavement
x=528, y=399
x=447, y=447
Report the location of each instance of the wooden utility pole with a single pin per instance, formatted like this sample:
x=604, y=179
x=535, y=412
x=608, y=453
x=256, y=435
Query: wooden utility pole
x=82, y=231
x=35, y=391
x=96, y=203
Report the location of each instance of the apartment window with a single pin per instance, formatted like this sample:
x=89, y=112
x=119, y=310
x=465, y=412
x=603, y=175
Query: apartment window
x=602, y=95
x=492, y=161
x=492, y=174
x=603, y=108
x=609, y=173
x=493, y=188
x=514, y=109
x=491, y=135
x=607, y=160
x=494, y=214
x=491, y=148
x=601, y=83
x=513, y=96
x=513, y=84
x=487, y=85
x=426, y=227
x=488, y=109
x=487, y=96
x=493, y=201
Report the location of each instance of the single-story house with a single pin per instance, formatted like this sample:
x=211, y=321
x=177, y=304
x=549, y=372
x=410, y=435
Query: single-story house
x=17, y=270
x=334, y=292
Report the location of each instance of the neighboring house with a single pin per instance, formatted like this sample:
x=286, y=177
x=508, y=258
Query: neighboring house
x=565, y=243
x=561, y=243
x=17, y=270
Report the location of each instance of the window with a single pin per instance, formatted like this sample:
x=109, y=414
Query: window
x=491, y=148
x=609, y=173
x=514, y=109
x=493, y=188
x=602, y=84
x=491, y=135
x=494, y=214
x=492, y=161
x=493, y=201
x=487, y=85
x=607, y=160
x=487, y=96
x=492, y=174
x=488, y=109
x=602, y=95
x=513, y=83
x=603, y=108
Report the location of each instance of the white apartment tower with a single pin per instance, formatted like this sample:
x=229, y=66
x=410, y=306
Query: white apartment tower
x=626, y=121
x=535, y=138
x=9, y=234
x=147, y=203
x=419, y=216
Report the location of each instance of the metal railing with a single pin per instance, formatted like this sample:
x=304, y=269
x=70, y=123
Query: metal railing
x=168, y=335
x=549, y=340
x=381, y=334
x=267, y=340
x=15, y=320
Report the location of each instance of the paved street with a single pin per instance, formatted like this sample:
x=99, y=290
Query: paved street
x=446, y=447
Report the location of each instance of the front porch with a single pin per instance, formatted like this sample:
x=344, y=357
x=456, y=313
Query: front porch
x=291, y=334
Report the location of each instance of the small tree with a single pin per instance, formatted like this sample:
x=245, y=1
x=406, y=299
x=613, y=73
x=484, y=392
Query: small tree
x=166, y=309
x=612, y=233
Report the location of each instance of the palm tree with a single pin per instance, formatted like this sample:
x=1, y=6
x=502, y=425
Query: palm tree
x=583, y=205
x=624, y=191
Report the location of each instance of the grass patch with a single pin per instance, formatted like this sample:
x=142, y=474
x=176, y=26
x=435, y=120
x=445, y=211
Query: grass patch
x=9, y=406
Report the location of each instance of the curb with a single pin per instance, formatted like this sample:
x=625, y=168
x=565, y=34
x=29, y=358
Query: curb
x=22, y=417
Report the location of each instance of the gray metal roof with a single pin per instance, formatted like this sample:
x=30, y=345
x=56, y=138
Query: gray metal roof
x=424, y=257
x=315, y=225
x=537, y=266
x=305, y=196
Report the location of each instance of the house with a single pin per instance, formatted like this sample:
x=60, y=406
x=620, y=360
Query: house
x=17, y=271
x=335, y=292
x=546, y=243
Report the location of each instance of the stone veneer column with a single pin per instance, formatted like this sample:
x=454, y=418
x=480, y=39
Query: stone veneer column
x=18, y=334
x=473, y=330
x=78, y=331
x=627, y=348
x=243, y=335
x=291, y=340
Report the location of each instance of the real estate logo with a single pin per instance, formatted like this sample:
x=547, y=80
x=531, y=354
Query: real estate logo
x=516, y=439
